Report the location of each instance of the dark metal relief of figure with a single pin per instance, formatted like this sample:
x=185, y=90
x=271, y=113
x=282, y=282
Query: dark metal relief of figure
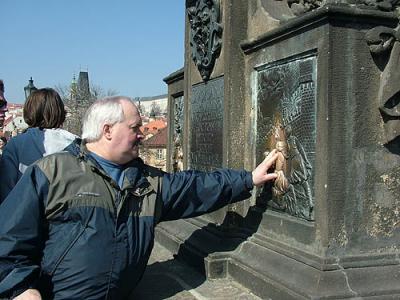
x=385, y=42
x=286, y=122
x=205, y=34
x=177, y=151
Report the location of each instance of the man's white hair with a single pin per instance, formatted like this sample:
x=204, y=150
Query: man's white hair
x=104, y=111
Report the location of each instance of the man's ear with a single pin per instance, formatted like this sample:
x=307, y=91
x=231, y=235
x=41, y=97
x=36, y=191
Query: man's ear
x=107, y=131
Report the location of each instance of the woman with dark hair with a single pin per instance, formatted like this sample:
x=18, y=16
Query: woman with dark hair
x=44, y=113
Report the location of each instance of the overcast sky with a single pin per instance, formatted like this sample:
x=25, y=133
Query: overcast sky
x=125, y=45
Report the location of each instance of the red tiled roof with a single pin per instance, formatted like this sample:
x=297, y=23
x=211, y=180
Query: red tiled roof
x=154, y=126
x=14, y=105
x=158, y=140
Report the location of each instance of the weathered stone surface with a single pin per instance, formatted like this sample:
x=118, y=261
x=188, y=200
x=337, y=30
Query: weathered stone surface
x=168, y=278
x=343, y=241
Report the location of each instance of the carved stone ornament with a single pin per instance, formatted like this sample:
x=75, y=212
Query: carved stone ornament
x=205, y=34
x=300, y=7
x=386, y=41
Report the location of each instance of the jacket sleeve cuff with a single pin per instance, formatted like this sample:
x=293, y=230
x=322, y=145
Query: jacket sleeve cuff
x=18, y=289
x=249, y=181
x=22, y=288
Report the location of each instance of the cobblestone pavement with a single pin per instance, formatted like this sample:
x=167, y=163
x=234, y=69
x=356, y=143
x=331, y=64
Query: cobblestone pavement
x=168, y=278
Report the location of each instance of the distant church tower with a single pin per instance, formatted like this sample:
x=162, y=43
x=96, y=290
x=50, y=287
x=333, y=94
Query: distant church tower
x=83, y=88
x=80, y=100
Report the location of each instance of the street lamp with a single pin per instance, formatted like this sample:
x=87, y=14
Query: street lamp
x=29, y=88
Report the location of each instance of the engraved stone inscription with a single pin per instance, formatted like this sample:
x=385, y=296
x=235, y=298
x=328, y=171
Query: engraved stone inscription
x=206, y=118
x=286, y=121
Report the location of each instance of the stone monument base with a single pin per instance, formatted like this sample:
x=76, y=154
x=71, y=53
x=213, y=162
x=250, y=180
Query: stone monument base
x=274, y=270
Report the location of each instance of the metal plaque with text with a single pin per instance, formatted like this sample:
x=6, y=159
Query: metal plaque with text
x=206, y=123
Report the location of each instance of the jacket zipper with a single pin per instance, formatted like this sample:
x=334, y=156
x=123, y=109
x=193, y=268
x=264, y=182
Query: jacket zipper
x=115, y=206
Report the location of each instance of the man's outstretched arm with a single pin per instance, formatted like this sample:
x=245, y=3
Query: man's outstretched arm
x=191, y=193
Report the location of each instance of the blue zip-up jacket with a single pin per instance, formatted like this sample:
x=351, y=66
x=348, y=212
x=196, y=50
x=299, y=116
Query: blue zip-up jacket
x=24, y=149
x=75, y=234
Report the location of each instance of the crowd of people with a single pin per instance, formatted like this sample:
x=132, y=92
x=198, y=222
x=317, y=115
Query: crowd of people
x=78, y=213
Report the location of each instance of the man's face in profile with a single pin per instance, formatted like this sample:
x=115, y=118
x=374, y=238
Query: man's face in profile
x=3, y=108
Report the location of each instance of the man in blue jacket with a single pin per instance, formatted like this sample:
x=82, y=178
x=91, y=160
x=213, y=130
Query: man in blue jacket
x=83, y=220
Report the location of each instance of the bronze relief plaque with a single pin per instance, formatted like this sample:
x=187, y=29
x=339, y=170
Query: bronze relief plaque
x=178, y=123
x=286, y=114
x=206, y=125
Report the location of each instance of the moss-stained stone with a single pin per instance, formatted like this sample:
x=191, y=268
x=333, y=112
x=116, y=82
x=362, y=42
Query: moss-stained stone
x=384, y=221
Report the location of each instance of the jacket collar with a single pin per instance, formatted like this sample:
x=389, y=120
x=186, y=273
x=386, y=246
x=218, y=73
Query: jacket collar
x=134, y=172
